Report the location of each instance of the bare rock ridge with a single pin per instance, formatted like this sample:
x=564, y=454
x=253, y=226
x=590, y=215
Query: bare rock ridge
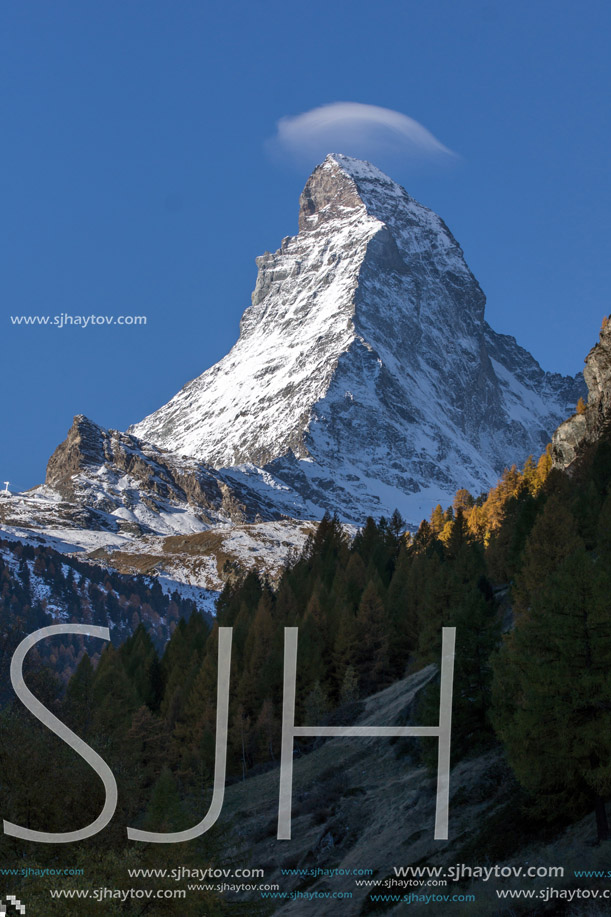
x=365, y=378
x=573, y=438
x=133, y=507
x=114, y=473
x=82, y=449
x=365, y=375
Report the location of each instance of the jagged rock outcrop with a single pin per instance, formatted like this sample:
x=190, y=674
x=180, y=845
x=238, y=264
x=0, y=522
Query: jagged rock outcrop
x=116, y=474
x=82, y=448
x=137, y=509
x=365, y=376
x=573, y=438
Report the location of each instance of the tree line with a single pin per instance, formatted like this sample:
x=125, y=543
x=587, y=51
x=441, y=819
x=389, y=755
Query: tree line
x=521, y=572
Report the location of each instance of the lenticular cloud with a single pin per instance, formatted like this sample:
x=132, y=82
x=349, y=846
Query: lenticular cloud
x=356, y=129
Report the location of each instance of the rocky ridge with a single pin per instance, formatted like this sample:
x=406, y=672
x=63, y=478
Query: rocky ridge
x=365, y=379
x=139, y=484
x=582, y=430
x=365, y=376
x=130, y=506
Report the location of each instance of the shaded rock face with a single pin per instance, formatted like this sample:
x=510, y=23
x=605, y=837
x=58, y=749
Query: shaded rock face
x=107, y=471
x=572, y=438
x=82, y=448
x=365, y=376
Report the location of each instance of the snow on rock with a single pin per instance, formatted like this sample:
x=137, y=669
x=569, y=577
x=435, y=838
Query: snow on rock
x=198, y=565
x=129, y=505
x=365, y=376
x=577, y=438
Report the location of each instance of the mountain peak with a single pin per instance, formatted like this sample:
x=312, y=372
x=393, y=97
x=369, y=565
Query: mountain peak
x=330, y=194
x=365, y=176
x=365, y=376
x=82, y=447
x=363, y=173
x=341, y=186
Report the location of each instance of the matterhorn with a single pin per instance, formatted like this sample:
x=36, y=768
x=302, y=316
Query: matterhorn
x=365, y=377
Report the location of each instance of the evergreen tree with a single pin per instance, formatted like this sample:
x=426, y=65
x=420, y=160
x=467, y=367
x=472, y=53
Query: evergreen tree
x=79, y=697
x=140, y=661
x=553, y=538
x=349, y=691
x=437, y=519
x=316, y=706
x=268, y=730
x=114, y=697
x=165, y=812
x=373, y=659
x=463, y=500
x=552, y=690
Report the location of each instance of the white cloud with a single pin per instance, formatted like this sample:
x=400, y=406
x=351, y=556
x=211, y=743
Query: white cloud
x=355, y=129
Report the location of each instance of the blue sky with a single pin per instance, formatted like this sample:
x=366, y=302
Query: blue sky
x=137, y=177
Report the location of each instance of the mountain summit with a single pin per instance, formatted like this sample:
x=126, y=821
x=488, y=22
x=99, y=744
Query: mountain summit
x=365, y=376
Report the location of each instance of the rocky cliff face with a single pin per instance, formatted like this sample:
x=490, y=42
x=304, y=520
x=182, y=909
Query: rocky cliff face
x=572, y=438
x=136, y=484
x=365, y=379
x=365, y=376
x=137, y=509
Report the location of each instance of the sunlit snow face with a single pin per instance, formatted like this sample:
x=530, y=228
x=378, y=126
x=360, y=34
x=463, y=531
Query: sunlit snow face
x=374, y=297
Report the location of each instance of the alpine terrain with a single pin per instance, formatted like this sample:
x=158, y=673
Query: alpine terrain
x=365, y=379
x=365, y=376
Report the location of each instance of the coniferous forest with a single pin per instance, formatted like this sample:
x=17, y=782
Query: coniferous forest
x=522, y=572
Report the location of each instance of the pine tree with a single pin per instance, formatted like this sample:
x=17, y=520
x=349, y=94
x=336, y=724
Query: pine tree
x=165, y=812
x=603, y=540
x=349, y=691
x=477, y=635
x=346, y=645
x=462, y=500
x=182, y=657
x=402, y=620
x=552, y=690
x=373, y=662
x=316, y=706
x=139, y=659
x=529, y=475
x=268, y=730
x=146, y=746
x=114, y=697
x=241, y=738
x=397, y=524
x=256, y=679
x=79, y=697
x=437, y=519
x=544, y=465
x=553, y=538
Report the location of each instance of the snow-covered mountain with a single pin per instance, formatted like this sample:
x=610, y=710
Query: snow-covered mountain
x=365, y=379
x=135, y=487
x=365, y=376
x=130, y=506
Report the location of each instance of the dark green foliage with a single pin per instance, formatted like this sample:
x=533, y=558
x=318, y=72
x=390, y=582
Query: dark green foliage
x=368, y=611
x=79, y=593
x=477, y=635
x=552, y=682
x=142, y=666
x=79, y=697
x=165, y=811
x=552, y=689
